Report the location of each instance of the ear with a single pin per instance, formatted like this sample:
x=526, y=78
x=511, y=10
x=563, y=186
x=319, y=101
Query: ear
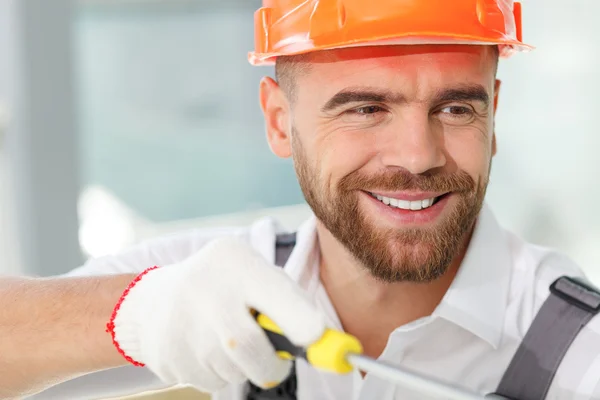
x=276, y=110
x=496, y=94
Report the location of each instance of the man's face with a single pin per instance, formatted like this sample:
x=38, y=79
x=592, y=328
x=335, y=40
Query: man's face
x=392, y=148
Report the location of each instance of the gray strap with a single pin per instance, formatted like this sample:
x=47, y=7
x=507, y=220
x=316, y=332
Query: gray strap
x=286, y=390
x=284, y=245
x=570, y=306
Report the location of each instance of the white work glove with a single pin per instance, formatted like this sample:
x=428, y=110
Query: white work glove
x=190, y=323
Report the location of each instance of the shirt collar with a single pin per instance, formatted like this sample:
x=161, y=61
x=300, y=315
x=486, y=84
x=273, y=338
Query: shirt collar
x=301, y=264
x=477, y=297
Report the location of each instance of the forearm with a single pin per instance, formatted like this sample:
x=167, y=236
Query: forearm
x=52, y=330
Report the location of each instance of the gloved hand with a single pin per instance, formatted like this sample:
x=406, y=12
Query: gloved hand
x=190, y=323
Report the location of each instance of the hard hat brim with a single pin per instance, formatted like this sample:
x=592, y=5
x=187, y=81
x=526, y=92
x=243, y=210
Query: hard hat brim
x=507, y=47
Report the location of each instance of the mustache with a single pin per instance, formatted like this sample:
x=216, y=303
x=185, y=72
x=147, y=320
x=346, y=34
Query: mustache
x=401, y=180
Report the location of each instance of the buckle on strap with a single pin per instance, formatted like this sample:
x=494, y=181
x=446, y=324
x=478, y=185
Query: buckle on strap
x=577, y=292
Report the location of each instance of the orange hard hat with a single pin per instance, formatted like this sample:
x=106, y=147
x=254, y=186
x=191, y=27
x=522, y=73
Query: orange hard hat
x=288, y=27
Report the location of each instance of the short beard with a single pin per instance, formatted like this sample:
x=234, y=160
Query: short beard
x=393, y=255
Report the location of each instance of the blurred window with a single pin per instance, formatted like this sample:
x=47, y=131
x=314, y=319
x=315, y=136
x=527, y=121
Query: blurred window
x=169, y=116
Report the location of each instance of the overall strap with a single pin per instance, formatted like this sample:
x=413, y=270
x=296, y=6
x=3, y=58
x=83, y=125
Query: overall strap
x=571, y=305
x=286, y=390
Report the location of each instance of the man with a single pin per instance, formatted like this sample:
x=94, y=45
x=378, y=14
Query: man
x=387, y=109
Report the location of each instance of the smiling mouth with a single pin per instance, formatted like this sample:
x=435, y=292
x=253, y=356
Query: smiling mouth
x=414, y=205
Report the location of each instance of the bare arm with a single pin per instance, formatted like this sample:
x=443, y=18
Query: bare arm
x=52, y=330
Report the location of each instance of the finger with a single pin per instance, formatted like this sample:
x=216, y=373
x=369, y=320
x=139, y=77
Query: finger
x=266, y=288
x=200, y=375
x=227, y=370
x=282, y=300
x=249, y=349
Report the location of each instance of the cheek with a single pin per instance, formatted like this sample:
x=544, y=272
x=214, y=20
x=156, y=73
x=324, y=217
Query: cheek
x=342, y=153
x=470, y=152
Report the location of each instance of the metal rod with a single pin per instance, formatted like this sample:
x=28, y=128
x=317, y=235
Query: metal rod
x=413, y=380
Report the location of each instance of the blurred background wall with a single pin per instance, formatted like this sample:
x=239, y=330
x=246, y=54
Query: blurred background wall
x=122, y=120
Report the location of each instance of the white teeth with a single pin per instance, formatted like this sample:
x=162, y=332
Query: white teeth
x=416, y=205
x=405, y=204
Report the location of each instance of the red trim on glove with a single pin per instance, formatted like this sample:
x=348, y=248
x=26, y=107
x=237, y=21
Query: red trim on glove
x=110, y=326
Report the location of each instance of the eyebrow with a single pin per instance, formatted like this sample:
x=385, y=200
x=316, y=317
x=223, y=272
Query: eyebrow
x=357, y=95
x=471, y=92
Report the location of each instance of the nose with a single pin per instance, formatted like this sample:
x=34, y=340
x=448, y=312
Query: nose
x=414, y=143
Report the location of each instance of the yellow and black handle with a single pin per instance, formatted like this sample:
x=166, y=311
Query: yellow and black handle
x=328, y=353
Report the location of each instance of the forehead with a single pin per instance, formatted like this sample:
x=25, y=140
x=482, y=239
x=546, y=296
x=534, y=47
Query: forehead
x=417, y=67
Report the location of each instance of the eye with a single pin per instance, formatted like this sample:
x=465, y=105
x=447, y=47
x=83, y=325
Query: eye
x=457, y=110
x=366, y=110
x=457, y=114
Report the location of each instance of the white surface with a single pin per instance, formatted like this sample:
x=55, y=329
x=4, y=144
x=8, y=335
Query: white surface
x=111, y=383
x=108, y=226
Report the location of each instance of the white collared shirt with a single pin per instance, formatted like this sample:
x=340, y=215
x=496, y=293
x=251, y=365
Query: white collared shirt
x=468, y=340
